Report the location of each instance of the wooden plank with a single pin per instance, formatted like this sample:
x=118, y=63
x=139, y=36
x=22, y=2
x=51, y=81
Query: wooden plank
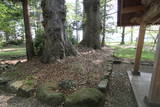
x=154, y=94
x=133, y=9
x=139, y=48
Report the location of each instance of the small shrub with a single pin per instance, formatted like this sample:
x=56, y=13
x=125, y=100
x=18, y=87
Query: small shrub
x=15, y=42
x=39, y=42
x=73, y=40
x=29, y=82
x=3, y=44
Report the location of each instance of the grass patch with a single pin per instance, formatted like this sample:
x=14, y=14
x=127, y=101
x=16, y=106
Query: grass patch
x=130, y=53
x=30, y=80
x=18, y=52
x=13, y=51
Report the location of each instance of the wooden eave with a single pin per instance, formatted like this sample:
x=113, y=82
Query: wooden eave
x=133, y=12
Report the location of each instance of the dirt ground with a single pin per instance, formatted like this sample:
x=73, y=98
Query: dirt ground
x=119, y=94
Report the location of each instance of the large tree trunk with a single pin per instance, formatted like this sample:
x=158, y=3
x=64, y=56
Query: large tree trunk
x=104, y=25
x=123, y=36
x=56, y=45
x=28, y=35
x=92, y=26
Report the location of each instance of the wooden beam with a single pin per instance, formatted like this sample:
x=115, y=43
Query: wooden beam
x=121, y=10
x=154, y=94
x=146, y=2
x=139, y=48
x=133, y=9
x=152, y=12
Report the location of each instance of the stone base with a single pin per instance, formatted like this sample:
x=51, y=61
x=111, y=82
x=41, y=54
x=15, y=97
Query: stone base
x=151, y=103
x=136, y=73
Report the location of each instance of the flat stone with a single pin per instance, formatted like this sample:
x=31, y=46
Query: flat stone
x=103, y=85
x=140, y=86
x=109, y=69
x=106, y=75
x=86, y=97
x=26, y=91
x=13, y=86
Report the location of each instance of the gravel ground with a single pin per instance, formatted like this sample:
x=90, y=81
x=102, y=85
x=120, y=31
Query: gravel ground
x=120, y=92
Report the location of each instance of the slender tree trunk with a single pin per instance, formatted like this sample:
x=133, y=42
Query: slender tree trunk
x=104, y=25
x=56, y=45
x=131, y=35
x=28, y=35
x=123, y=36
x=6, y=37
x=92, y=26
x=76, y=12
x=83, y=22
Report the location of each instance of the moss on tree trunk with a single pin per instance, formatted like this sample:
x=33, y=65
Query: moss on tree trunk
x=92, y=28
x=56, y=45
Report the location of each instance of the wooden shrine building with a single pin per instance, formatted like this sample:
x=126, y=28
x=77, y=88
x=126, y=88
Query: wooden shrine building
x=143, y=13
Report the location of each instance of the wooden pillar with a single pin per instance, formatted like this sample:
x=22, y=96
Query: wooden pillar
x=139, y=48
x=154, y=94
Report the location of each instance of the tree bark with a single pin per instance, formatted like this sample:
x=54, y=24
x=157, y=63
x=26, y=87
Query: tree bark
x=123, y=36
x=56, y=45
x=104, y=25
x=92, y=28
x=28, y=35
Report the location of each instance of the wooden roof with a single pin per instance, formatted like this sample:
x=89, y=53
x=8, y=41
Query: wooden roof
x=132, y=12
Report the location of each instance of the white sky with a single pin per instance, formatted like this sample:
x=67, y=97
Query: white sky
x=116, y=36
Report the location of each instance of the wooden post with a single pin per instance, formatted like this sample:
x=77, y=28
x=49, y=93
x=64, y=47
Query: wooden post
x=139, y=48
x=154, y=94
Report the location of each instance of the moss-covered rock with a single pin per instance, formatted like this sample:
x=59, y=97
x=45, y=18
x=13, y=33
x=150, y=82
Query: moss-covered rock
x=103, y=85
x=26, y=91
x=47, y=93
x=13, y=86
x=86, y=97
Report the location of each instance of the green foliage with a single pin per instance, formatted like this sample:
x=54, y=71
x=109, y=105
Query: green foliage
x=39, y=42
x=15, y=42
x=10, y=42
x=2, y=44
x=72, y=16
x=73, y=41
x=9, y=14
x=30, y=80
x=69, y=31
